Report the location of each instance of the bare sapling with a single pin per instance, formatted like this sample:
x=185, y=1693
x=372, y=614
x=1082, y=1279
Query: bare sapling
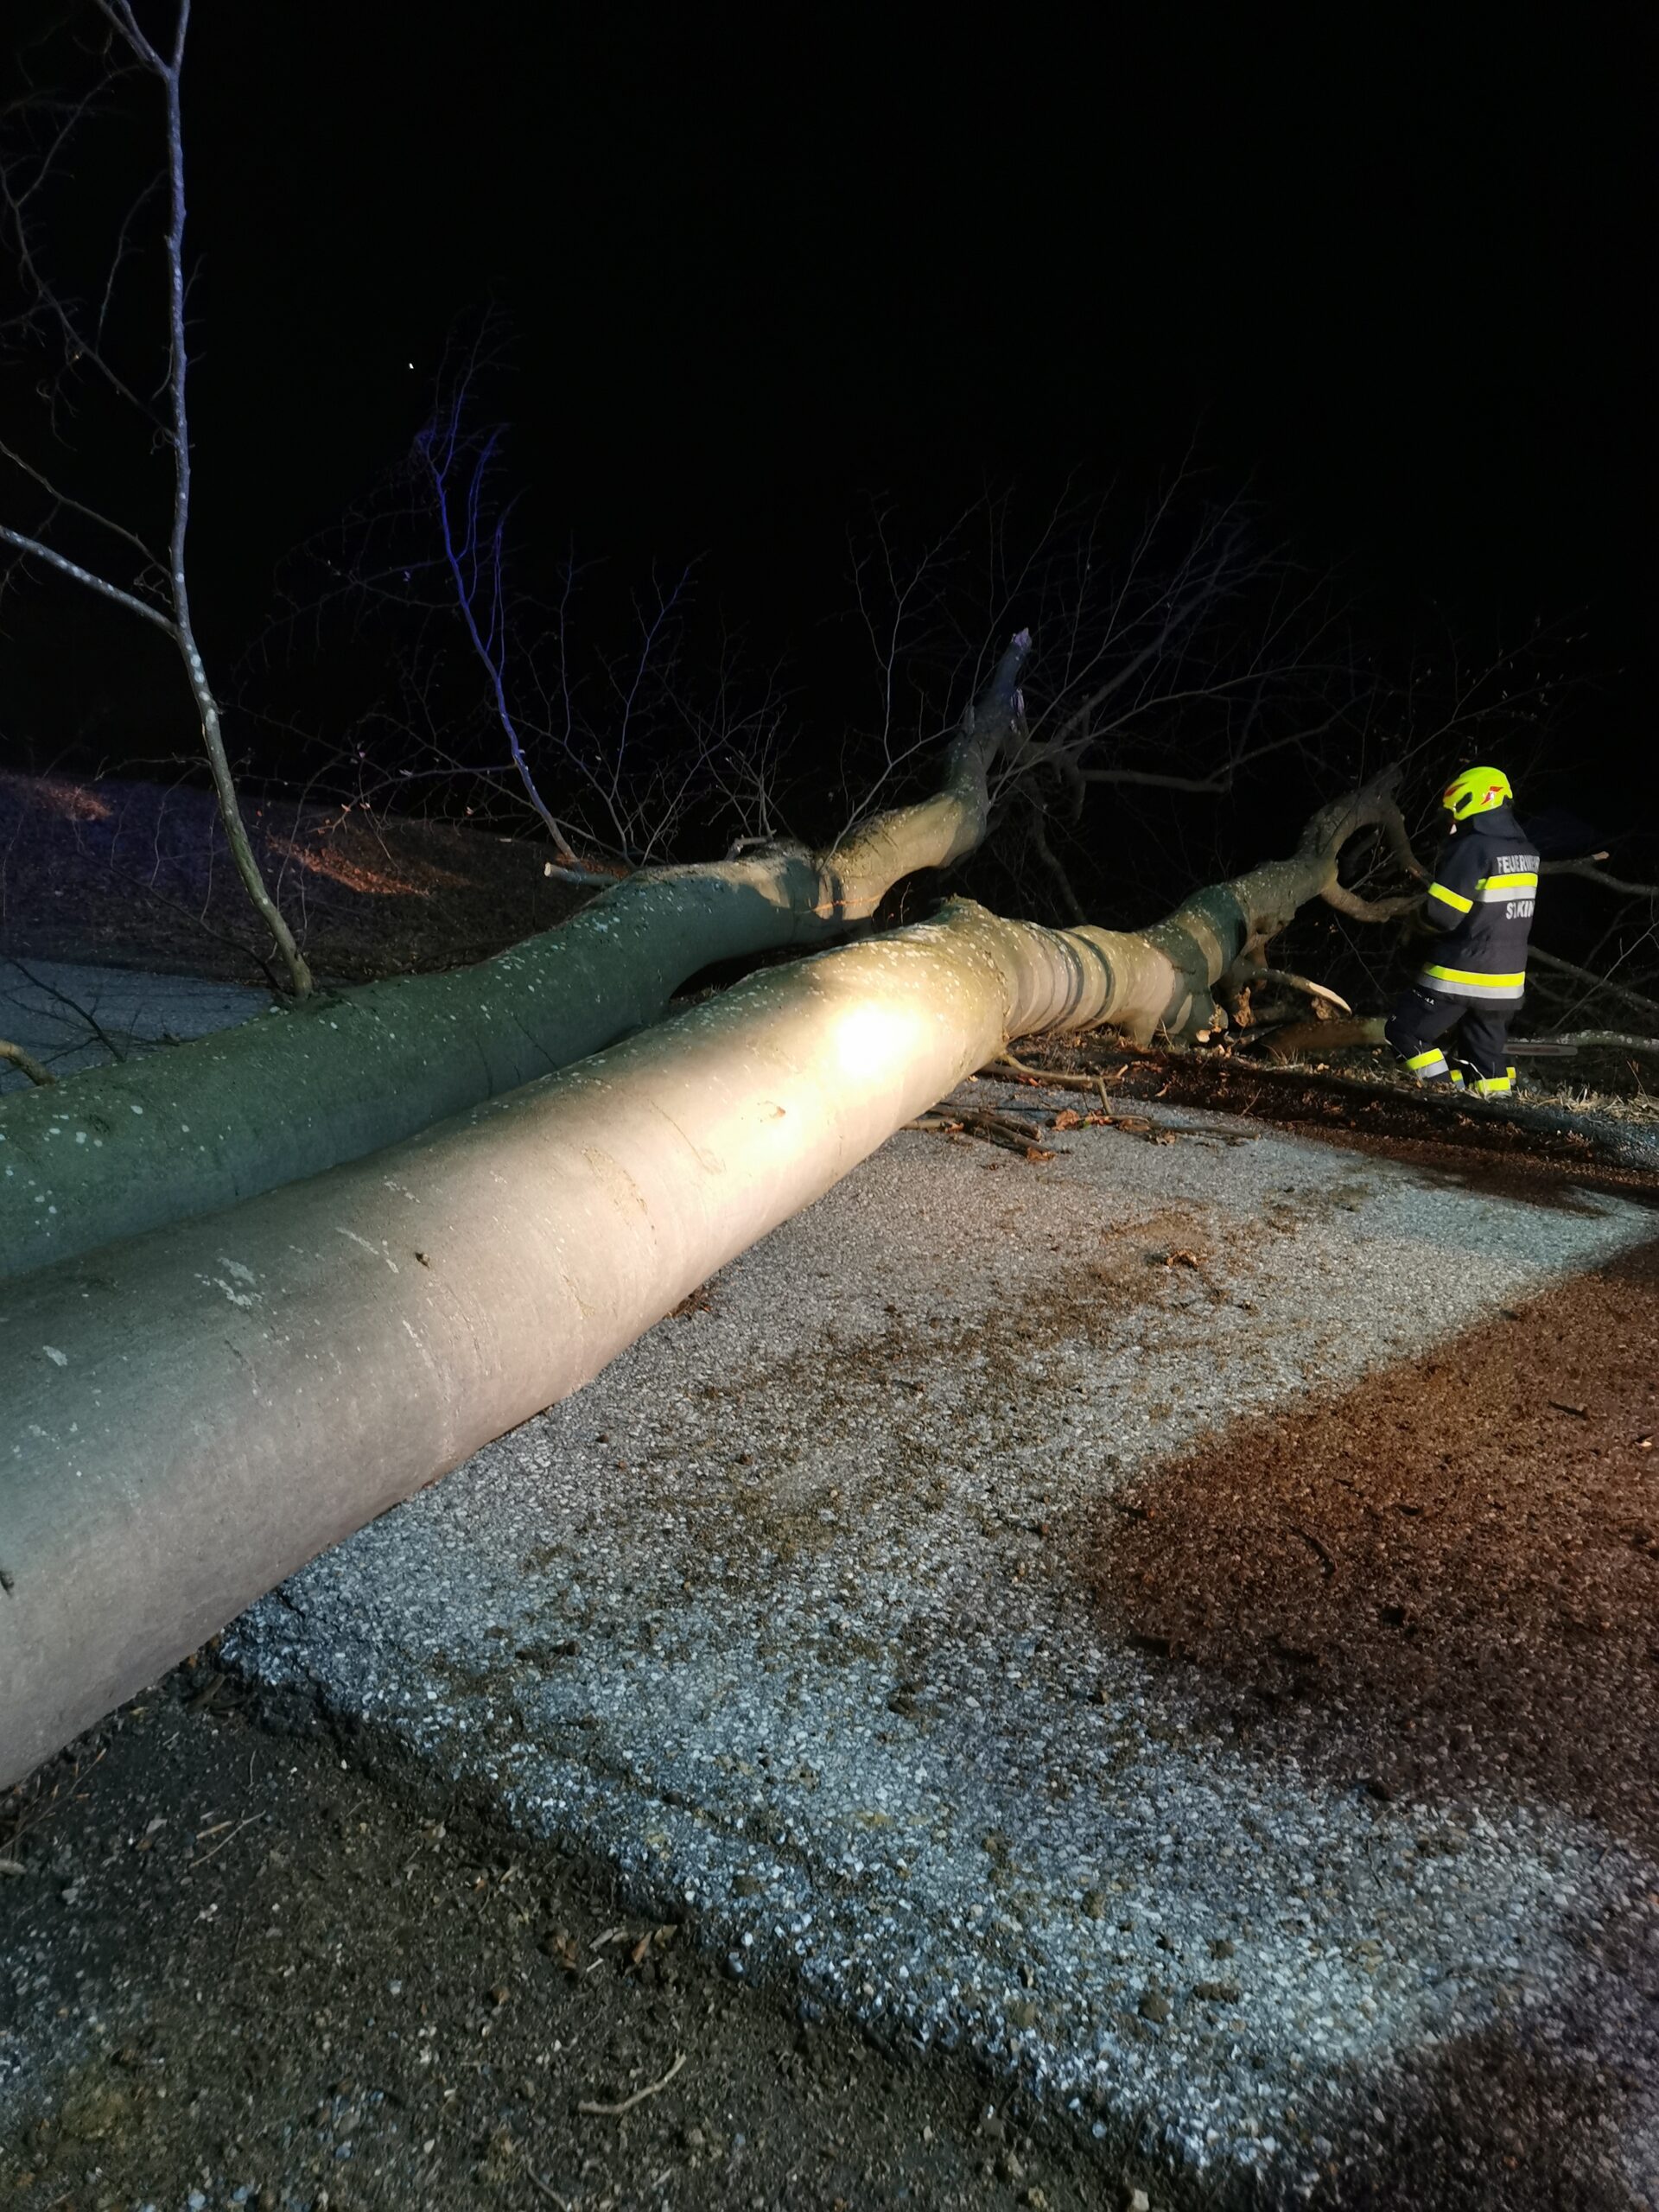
x=82, y=335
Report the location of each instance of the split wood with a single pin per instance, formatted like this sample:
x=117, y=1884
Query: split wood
x=616, y=2112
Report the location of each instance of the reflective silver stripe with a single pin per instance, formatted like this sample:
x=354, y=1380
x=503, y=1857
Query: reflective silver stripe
x=1496, y=890
x=1471, y=987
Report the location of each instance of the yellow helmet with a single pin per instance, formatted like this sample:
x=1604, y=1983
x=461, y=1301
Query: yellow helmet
x=1477, y=791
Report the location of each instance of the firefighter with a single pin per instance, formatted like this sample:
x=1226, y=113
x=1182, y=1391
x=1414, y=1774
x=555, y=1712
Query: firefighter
x=1481, y=904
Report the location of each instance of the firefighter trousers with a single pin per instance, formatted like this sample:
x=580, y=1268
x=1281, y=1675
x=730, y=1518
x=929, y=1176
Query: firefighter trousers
x=1421, y=1019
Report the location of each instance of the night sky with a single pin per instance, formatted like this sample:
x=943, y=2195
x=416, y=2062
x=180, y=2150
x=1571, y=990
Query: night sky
x=1391, y=274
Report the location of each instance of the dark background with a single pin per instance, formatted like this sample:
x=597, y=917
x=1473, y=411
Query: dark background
x=1391, y=273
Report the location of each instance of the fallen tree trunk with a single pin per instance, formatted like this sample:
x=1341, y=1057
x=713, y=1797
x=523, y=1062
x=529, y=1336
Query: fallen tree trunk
x=116, y=1151
x=191, y=1414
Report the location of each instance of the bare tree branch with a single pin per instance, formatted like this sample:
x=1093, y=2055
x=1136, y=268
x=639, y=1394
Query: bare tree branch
x=36, y=551
x=1371, y=910
x=31, y=1066
x=76, y=507
x=1591, y=874
x=476, y=569
x=1561, y=967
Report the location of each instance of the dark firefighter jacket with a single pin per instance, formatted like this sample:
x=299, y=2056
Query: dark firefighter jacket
x=1482, y=899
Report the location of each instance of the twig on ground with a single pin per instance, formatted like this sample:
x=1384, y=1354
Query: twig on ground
x=1008, y=1065
x=651, y=2089
x=1313, y=1544
x=203, y=1857
x=1008, y=1069
x=980, y=1122
x=1151, y=1132
x=43, y=1807
x=551, y=2194
x=1215, y=1136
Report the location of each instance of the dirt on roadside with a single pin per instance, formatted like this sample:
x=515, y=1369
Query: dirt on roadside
x=1441, y=1583
x=271, y=1972
x=139, y=875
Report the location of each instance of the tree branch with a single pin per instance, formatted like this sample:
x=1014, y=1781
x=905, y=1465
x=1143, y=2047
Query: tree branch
x=1071, y=904
x=1371, y=910
x=1591, y=874
x=76, y=507
x=1588, y=975
x=1615, y=1039
x=36, y=550
x=31, y=1066
x=1296, y=984
x=119, y=14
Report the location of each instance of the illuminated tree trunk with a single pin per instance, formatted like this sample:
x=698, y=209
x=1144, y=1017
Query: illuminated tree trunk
x=191, y=1415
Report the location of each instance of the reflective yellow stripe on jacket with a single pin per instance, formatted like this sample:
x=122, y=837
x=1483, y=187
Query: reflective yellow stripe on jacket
x=1492, y=888
x=1468, y=984
x=1450, y=898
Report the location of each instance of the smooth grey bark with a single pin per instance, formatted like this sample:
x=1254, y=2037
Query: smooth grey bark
x=118, y=1151
x=190, y=1416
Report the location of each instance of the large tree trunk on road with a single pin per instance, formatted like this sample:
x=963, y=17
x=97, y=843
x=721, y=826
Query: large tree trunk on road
x=116, y=1152
x=191, y=1414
